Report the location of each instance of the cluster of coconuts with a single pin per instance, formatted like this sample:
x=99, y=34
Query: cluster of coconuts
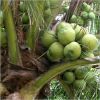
x=24, y=19
x=68, y=42
x=80, y=78
x=24, y=15
x=85, y=15
x=50, y=7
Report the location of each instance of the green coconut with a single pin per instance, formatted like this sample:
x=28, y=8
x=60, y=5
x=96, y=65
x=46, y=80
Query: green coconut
x=25, y=19
x=91, y=15
x=62, y=25
x=80, y=32
x=65, y=36
x=68, y=77
x=81, y=72
x=47, y=13
x=72, y=51
x=3, y=37
x=55, y=52
x=48, y=38
x=87, y=54
x=80, y=21
x=65, y=8
x=84, y=14
x=73, y=25
x=79, y=84
x=89, y=42
x=73, y=19
x=22, y=7
x=86, y=7
x=91, y=79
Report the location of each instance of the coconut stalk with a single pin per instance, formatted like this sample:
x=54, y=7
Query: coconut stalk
x=31, y=90
x=13, y=49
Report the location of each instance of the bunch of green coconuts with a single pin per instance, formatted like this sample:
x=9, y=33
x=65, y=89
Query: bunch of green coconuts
x=80, y=78
x=69, y=42
x=50, y=9
x=24, y=15
x=86, y=14
x=24, y=19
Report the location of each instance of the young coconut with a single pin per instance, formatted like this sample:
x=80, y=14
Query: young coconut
x=55, y=52
x=48, y=38
x=91, y=16
x=89, y=42
x=80, y=21
x=47, y=15
x=91, y=79
x=68, y=77
x=25, y=19
x=79, y=84
x=65, y=36
x=62, y=25
x=84, y=15
x=65, y=8
x=72, y=51
x=81, y=33
x=73, y=19
x=73, y=25
x=87, y=55
x=86, y=7
x=81, y=72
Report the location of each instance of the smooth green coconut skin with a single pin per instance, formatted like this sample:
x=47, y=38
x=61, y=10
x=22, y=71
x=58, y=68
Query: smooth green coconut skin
x=80, y=32
x=87, y=54
x=86, y=7
x=80, y=73
x=65, y=8
x=73, y=19
x=62, y=25
x=68, y=77
x=25, y=19
x=79, y=84
x=72, y=51
x=65, y=36
x=91, y=15
x=47, y=13
x=48, y=38
x=89, y=42
x=84, y=14
x=80, y=21
x=55, y=52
